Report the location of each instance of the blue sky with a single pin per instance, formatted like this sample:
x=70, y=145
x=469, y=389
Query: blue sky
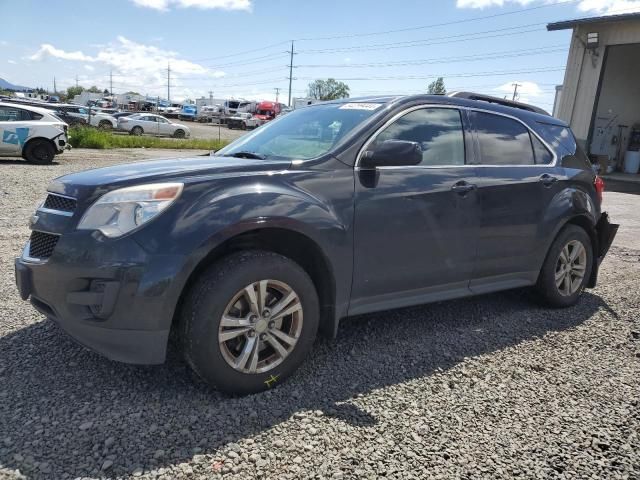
x=238, y=47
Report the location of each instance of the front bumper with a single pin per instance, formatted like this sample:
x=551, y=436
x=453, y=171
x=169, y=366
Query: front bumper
x=111, y=297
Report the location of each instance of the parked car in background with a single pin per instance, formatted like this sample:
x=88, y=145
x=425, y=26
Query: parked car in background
x=90, y=115
x=209, y=113
x=141, y=123
x=71, y=120
x=267, y=111
x=32, y=133
x=244, y=121
x=122, y=114
x=333, y=210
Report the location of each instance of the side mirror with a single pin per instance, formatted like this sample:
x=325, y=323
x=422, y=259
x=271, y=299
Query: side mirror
x=393, y=153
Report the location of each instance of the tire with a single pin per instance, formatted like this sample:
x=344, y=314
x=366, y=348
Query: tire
x=105, y=125
x=137, y=131
x=218, y=291
x=560, y=290
x=39, y=151
x=179, y=133
x=243, y=126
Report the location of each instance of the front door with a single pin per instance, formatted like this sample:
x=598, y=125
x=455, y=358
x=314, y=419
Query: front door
x=516, y=184
x=416, y=226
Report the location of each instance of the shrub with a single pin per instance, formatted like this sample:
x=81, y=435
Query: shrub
x=84, y=137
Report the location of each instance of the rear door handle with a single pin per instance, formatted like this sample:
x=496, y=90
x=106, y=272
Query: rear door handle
x=548, y=180
x=462, y=187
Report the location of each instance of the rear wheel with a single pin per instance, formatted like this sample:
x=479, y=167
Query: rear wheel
x=39, y=151
x=137, y=131
x=105, y=125
x=249, y=321
x=567, y=268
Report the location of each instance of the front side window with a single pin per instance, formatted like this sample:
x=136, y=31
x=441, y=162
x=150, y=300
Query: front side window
x=502, y=140
x=439, y=132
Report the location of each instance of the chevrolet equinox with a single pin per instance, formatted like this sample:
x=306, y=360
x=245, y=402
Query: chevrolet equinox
x=336, y=209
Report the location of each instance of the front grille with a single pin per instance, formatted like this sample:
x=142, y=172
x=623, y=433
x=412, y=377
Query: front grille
x=57, y=202
x=42, y=244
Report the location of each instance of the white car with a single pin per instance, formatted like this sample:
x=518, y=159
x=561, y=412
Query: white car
x=140, y=123
x=244, y=121
x=32, y=133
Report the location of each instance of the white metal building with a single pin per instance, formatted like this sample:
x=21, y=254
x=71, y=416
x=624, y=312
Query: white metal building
x=600, y=97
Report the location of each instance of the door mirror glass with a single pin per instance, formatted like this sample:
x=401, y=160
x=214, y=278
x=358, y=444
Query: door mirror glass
x=392, y=153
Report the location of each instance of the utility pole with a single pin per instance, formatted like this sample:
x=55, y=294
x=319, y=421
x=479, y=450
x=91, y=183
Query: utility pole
x=169, y=83
x=211, y=97
x=515, y=90
x=277, y=94
x=76, y=81
x=55, y=89
x=111, y=82
x=291, y=71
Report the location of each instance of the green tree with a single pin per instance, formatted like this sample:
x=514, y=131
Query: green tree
x=131, y=92
x=73, y=91
x=437, y=87
x=94, y=89
x=329, y=89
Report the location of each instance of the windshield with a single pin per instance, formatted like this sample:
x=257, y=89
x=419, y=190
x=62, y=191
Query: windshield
x=305, y=133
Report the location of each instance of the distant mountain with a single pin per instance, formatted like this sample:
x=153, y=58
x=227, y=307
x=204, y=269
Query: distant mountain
x=4, y=85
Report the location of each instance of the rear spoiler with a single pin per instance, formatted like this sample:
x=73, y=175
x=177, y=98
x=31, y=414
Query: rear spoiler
x=499, y=101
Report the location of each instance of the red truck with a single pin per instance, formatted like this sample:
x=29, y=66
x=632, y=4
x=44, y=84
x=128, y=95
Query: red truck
x=268, y=110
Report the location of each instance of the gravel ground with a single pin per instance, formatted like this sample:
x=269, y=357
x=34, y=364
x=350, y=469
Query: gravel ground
x=488, y=387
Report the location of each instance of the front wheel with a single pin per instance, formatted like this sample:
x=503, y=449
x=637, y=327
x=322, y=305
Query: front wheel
x=249, y=321
x=40, y=151
x=105, y=125
x=179, y=133
x=567, y=268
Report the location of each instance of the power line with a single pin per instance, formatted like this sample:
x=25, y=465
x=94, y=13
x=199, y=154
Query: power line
x=465, y=58
x=433, y=40
x=443, y=24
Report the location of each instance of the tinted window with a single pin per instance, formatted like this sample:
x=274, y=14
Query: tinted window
x=562, y=139
x=503, y=141
x=543, y=155
x=438, y=131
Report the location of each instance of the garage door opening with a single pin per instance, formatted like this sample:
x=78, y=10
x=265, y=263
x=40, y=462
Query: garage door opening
x=617, y=107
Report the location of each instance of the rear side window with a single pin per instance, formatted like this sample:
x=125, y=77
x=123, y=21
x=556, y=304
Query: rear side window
x=503, y=141
x=12, y=114
x=439, y=132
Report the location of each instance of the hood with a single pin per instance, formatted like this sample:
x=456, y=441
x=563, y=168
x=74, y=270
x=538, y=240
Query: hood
x=89, y=183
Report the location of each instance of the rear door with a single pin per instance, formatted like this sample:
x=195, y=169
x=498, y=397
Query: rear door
x=164, y=127
x=416, y=226
x=148, y=124
x=517, y=180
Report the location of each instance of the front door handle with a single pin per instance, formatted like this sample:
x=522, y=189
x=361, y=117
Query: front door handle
x=548, y=180
x=462, y=187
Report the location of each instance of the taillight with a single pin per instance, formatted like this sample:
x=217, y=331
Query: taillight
x=599, y=184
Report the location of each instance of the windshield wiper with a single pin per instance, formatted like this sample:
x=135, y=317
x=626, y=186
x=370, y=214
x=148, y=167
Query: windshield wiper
x=250, y=155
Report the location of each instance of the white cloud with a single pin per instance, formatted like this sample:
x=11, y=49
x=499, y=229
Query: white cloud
x=602, y=7
x=12, y=62
x=47, y=50
x=135, y=66
x=3, y=43
x=164, y=5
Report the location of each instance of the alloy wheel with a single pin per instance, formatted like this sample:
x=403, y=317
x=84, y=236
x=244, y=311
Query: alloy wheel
x=260, y=327
x=570, y=268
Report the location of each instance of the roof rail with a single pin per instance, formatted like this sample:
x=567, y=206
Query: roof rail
x=499, y=101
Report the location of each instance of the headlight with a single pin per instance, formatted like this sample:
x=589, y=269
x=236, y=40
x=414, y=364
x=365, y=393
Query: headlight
x=121, y=211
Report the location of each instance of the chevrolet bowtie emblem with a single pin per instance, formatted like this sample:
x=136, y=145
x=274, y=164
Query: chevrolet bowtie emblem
x=34, y=220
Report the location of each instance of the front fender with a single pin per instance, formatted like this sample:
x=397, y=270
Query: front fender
x=208, y=217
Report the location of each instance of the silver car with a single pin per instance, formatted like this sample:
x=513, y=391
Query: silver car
x=141, y=123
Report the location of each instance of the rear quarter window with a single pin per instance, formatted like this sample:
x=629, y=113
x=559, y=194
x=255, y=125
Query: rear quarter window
x=562, y=140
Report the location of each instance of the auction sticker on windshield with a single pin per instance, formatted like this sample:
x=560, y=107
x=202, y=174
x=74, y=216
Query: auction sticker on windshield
x=360, y=106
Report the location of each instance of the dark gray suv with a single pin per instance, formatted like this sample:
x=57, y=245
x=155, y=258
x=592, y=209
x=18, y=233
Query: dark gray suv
x=333, y=210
